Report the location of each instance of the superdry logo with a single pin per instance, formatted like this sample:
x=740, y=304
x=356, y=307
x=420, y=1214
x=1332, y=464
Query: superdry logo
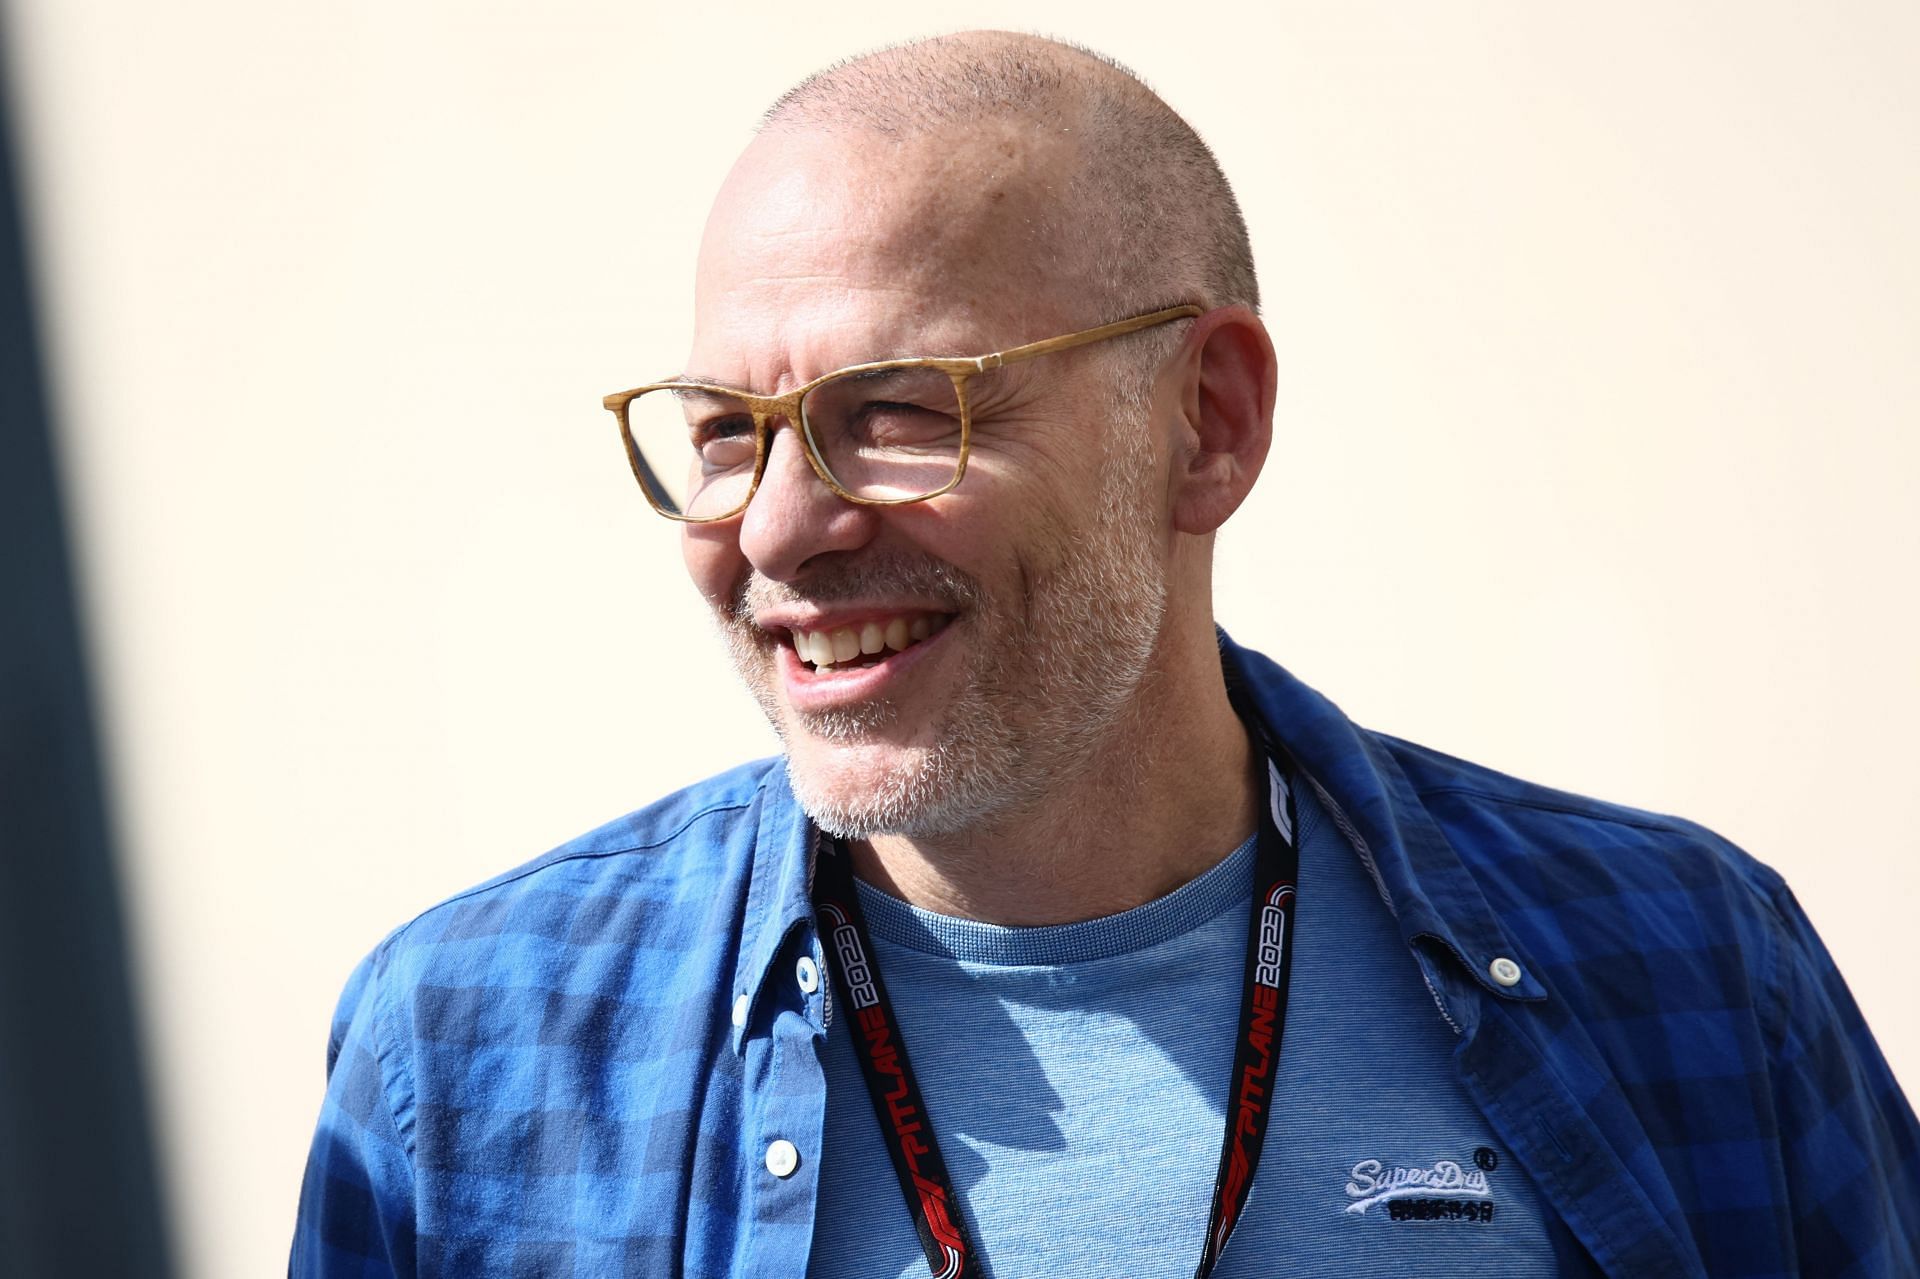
x=853, y=957
x=1443, y=1192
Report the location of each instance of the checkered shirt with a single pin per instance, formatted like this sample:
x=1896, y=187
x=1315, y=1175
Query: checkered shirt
x=582, y=1067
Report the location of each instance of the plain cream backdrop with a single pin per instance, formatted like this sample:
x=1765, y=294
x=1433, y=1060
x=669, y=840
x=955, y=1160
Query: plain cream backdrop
x=1596, y=454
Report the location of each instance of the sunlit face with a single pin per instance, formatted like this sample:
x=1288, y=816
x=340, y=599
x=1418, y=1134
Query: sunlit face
x=931, y=665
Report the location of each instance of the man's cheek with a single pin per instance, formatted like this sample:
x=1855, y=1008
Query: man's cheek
x=712, y=556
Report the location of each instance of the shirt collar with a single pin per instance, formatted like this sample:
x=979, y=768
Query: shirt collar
x=1431, y=893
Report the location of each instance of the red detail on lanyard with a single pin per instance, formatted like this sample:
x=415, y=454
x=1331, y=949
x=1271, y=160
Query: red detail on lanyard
x=883, y=1051
x=1250, y=1123
x=933, y=1201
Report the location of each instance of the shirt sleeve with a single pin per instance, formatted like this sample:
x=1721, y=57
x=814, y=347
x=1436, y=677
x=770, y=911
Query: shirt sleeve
x=356, y=1214
x=1848, y=1137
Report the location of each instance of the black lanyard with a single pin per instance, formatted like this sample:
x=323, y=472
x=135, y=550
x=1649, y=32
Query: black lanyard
x=907, y=1128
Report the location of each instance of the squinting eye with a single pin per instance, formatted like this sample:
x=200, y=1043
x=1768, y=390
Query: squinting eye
x=723, y=441
x=889, y=410
x=893, y=422
x=719, y=428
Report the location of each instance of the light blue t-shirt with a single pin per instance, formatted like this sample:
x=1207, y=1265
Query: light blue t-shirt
x=1076, y=1077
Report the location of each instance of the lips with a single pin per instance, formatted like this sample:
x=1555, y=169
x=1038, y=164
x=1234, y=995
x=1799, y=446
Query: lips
x=864, y=642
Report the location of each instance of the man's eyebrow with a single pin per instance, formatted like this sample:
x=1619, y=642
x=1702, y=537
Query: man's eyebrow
x=875, y=375
x=696, y=379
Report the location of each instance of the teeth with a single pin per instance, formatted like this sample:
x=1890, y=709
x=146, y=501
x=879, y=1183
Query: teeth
x=825, y=649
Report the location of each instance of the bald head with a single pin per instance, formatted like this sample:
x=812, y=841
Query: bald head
x=1136, y=212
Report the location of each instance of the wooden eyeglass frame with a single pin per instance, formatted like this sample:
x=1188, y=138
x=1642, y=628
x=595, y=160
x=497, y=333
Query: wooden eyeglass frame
x=764, y=408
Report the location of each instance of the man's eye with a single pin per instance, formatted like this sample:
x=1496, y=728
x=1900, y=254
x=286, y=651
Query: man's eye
x=895, y=422
x=723, y=441
x=720, y=428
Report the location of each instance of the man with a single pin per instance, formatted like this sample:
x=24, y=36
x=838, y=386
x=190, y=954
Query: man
x=992, y=972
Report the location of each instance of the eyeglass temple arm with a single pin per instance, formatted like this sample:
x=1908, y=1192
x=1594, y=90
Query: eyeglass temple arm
x=1119, y=328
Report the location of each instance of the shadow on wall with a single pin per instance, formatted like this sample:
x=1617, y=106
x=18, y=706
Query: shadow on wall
x=77, y=1190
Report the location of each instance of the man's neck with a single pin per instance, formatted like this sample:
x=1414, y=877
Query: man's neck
x=1177, y=789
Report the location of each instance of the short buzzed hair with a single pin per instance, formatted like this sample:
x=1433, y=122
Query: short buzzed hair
x=1148, y=202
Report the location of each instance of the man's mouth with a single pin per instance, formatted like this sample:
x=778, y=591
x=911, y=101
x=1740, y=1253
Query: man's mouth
x=865, y=643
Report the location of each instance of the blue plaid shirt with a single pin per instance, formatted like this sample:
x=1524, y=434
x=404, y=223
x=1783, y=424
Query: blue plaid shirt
x=583, y=1067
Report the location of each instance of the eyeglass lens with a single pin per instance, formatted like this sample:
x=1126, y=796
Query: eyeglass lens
x=882, y=435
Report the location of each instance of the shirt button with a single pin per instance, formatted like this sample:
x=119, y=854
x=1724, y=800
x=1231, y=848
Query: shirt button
x=740, y=1011
x=782, y=1158
x=1504, y=971
x=809, y=974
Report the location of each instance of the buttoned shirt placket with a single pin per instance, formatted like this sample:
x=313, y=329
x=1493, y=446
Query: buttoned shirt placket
x=779, y=1009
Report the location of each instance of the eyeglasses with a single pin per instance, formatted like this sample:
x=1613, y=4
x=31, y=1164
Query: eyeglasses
x=880, y=434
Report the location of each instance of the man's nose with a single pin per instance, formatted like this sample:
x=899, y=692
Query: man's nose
x=794, y=516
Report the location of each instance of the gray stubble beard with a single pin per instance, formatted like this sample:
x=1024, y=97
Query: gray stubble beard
x=1084, y=645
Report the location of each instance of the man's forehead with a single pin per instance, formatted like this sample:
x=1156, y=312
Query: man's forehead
x=831, y=223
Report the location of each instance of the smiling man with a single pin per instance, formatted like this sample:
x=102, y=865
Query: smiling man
x=1066, y=936
x=1059, y=678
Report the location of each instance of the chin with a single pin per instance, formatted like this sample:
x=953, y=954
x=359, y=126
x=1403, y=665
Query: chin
x=859, y=790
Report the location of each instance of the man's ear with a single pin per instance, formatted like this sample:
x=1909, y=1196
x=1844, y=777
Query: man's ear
x=1228, y=374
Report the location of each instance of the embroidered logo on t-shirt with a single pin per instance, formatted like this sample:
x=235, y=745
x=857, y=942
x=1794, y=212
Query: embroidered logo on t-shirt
x=1442, y=1191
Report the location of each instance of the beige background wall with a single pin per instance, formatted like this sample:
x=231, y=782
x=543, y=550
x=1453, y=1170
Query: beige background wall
x=1597, y=449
